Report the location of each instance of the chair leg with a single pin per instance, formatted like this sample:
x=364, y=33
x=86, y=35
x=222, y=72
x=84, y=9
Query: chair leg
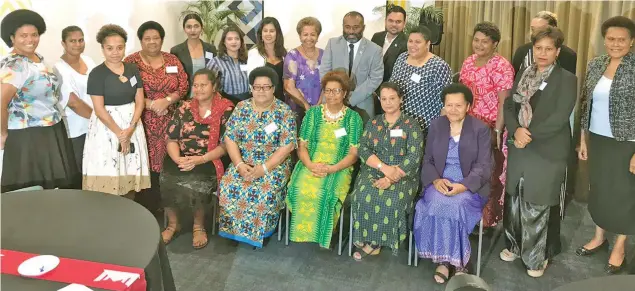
x=480, y=246
x=165, y=219
x=416, y=255
x=410, y=248
x=339, y=244
x=350, y=233
x=286, y=227
x=215, y=214
x=280, y=225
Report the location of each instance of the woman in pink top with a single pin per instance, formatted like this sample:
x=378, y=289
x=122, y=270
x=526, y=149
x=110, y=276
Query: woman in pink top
x=490, y=77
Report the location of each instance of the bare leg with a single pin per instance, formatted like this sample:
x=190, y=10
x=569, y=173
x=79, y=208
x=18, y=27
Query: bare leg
x=173, y=226
x=597, y=240
x=199, y=236
x=618, y=252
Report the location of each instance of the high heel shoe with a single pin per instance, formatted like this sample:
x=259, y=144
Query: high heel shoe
x=583, y=252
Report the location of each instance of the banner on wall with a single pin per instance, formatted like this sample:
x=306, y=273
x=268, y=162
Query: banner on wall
x=6, y=7
x=248, y=24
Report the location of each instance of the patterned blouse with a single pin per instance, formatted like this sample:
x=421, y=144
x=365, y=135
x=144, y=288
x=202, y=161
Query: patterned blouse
x=422, y=87
x=233, y=74
x=157, y=84
x=485, y=82
x=305, y=73
x=35, y=103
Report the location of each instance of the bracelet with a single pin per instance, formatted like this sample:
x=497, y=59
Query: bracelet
x=239, y=164
x=264, y=167
x=497, y=130
x=151, y=103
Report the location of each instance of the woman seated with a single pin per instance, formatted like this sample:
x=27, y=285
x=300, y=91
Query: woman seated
x=329, y=138
x=191, y=172
x=455, y=176
x=259, y=137
x=391, y=149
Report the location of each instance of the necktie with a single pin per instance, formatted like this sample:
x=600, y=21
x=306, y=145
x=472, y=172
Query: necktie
x=351, y=57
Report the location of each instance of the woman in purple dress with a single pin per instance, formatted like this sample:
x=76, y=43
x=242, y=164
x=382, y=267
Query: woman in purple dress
x=301, y=68
x=455, y=176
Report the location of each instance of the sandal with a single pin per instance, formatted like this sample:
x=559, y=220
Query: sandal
x=197, y=232
x=358, y=256
x=174, y=232
x=444, y=278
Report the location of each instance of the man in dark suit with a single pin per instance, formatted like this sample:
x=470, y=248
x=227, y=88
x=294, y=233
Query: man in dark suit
x=393, y=42
x=523, y=56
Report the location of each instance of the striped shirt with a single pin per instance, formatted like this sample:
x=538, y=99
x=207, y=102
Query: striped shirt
x=234, y=77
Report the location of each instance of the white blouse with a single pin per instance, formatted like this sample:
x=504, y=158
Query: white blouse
x=73, y=82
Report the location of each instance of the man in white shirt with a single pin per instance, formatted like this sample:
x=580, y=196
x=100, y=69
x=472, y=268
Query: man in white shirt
x=361, y=58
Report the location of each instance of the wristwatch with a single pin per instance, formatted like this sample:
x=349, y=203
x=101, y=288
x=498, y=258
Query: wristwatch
x=169, y=99
x=379, y=166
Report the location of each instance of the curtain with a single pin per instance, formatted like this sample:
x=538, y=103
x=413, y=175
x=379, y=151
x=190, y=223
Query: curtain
x=580, y=22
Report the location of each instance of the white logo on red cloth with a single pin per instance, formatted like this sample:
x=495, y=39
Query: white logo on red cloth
x=118, y=276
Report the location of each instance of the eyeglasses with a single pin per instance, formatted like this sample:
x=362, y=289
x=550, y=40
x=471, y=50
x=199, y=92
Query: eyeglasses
x=261, y=88
x=333, y=91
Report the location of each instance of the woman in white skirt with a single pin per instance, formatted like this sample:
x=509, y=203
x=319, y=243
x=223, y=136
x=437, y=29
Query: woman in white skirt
x=115, y=153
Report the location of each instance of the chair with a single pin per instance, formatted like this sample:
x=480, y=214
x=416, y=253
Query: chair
x=478, y=259
x=32, y=188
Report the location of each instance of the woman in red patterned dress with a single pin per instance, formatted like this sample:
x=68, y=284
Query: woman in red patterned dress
x=164, y=83
x=490, y=77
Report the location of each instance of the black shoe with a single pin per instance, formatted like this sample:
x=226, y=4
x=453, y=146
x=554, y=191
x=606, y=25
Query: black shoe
x=610, y=269
x=583, y=252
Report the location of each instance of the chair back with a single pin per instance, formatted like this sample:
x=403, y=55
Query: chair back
x=32, y=188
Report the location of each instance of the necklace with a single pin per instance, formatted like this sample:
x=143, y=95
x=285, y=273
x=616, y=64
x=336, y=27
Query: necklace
x=333, y=116
x=265, y=108
x=307, y=54
x=122, y=78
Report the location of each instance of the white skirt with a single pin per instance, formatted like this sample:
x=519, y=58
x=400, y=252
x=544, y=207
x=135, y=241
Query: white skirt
x=107, y=170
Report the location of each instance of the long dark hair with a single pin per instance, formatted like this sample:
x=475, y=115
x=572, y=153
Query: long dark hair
x=242, y=51
x=278, y=46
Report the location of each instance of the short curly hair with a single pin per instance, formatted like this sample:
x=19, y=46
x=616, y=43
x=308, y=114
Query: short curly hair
x=264, y=71
x=488, y=29
x=340, y=77
x=551, y=32
x=309, y=21
x=150, y=25
x=18, y=18
x=111, y=30
x=619, y=21
x=392, y=86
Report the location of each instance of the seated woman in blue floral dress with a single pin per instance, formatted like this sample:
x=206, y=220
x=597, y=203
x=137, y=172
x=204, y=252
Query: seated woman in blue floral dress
x=455, y=177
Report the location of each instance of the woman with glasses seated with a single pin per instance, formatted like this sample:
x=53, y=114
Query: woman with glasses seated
x=329, y=138
x=259, y=137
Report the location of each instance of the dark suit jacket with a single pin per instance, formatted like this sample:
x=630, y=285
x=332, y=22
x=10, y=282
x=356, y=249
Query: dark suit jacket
x=398, y=46
x=567, y=58
x=475, y=154
x=183, y=53
x=543, y=161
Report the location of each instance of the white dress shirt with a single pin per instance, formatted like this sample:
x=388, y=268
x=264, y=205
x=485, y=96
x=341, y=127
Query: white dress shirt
x=73, y=82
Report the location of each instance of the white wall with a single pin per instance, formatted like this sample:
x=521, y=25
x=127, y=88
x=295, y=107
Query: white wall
x=91, y=15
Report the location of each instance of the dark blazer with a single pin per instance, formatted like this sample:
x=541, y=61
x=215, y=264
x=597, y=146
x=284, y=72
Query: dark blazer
x=398, y=46
x=183, y=53
x=543, y=161
x=567, y=58
x=475, y=154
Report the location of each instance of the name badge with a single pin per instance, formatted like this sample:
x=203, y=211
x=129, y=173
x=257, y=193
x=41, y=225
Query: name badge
x=243, y=68
x=340, y=132
x=171, y=69
x=542, y=86
x=133, y=81
x=209, y=55
x=396, y=132
x=271, y=128
x=415, y=77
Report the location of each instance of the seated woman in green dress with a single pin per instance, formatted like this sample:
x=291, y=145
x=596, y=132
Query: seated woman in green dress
x=390, y=150
x=329, y=138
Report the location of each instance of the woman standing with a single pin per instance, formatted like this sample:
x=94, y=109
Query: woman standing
x=193, y=53
x=269, y=51
x=608, y=116
x=37, y=151
x=455, y=177
x=165, y=83
x=422, y=75
x=391, y=149
x=329, y=139
x=231, y=62
x=490, y=77
x=538, y=116
x=302, y=67
x=116, y=141
x=259, y=138
x=193, y=169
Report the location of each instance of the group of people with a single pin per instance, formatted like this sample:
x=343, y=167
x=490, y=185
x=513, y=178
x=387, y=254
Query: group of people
x=381, y=121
